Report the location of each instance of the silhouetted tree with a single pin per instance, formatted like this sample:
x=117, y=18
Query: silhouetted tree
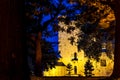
x=88, y=69
x=95, y=28
x=49, y=58
x=42, y=14
x=69, y=68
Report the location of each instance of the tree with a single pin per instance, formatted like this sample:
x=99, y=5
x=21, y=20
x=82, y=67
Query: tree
x=49, y=55
x=42, y=14
x=69, y=68
x=88, y=69
x=96, y=27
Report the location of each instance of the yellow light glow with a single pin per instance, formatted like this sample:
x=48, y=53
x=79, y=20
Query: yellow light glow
x=67, y=53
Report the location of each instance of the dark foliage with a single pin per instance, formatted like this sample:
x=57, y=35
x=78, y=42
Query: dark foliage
x=88, y=69
x=40, y=14
x=49, y=58
x=69, y=68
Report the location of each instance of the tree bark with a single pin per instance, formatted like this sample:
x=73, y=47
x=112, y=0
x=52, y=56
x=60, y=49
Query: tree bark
x=116, y=71
x=38, y=59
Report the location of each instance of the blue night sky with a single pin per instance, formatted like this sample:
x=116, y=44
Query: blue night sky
x=46, y=17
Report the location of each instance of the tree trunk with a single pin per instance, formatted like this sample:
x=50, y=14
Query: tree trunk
x=116, y=71
x=38, y=55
